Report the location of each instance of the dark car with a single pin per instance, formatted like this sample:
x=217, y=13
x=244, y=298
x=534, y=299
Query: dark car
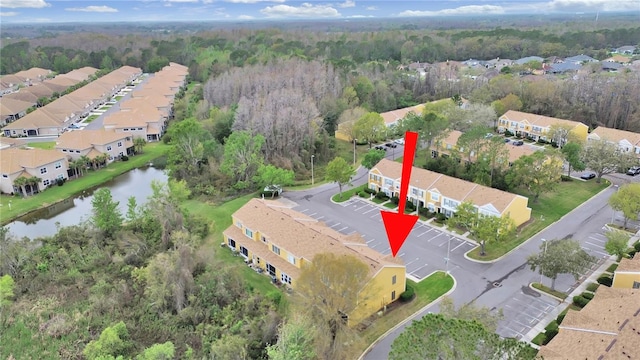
x=380, y=147
x=634, y=170
x=588, y=176
x=507, y=140
x=518, y=143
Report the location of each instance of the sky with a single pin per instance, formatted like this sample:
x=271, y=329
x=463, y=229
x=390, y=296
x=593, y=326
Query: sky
x=57, y=11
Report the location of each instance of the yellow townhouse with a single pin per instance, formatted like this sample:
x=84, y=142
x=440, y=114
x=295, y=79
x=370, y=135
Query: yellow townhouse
x=442, y=194
x=92, y=143
x=391, y=118
x=537, y=127
x=627, y=275
x=608, y=327
x=281, y=242
x=627, y=141
x=46, y=165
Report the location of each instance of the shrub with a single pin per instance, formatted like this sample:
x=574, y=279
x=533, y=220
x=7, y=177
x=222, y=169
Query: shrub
x=565, y=178
x=423, y=211
x=612, y=268
x=410, y=206
x=395, y=200
x=369, y=191
x=580, y=301
x=440, y=217
x=124, y=158
x=605, y=280
x=587, y=295
x=363, y=194
x=381, y=195
x=408, y=294
x=60, y=182
x=550, y=331
x=593, y=287
x=637, y=246
x=631, y=253
x=560, y=318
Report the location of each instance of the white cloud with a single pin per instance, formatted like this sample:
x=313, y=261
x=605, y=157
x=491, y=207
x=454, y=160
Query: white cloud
x=372, y=8
x=360, y=16
x=181, y=1
x=462, y=10
x=8, y=13
x=305, y=10
x=253, y=1
x=94, y=8
x=12, y=4
x=347, y=4
x=594, y=5
x=245, y=17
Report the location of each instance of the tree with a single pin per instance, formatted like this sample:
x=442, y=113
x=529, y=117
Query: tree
x=509, y=102
x=6, y=295
x=560, y=134
x=560, y=256
x=428, y=126
x=537, y=173
x=471, y=143
x=164, y=351
x=469, y=311
x=493, y=229
x=139, y=144
x=348, y=119
x=435, y=336
x=113, y=341
x=242, y=157
x=617, y=243
x=370, y=128
x=33, y=183
x=83, y=160
x=295, y=340
x=572, y=155
x=187, y=137
x=339, y=171
x=106, y=215
x=466, y=216
x=627, y=200
x=604, y=157
x=21, y=183
x=270, y=175
x=132, y=210
x=372, y=157
x=327, y=290
x=495, y=154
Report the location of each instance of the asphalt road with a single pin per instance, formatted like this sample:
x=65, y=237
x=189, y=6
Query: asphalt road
x=499, y=285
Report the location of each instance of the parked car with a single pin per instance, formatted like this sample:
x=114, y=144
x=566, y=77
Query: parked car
x=391, y=145
x=399, y=141
x=588, y=176
x=380, y=147
x=506, y=140
x=634, y=170
x=518, y=143
x=273, y=189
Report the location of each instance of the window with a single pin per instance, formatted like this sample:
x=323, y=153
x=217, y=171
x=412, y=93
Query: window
x=248, y=232
x=64, y=150
x=393, y=280
x=43, y=170
x=271, y=270
x=285, y=279
x=46, y=182
x=5, y=176
x=119, y=143
x=58, y=165
x=275, y=249
x=239, y=224
x=636, y=284
x=125, y=129
x=264, y=239
x=435, y=197
x=61, y=177
x=139, y=128
x=232, y=243
x=108, y=147
x=78, y=151
x=292, y=259
x=393, y=295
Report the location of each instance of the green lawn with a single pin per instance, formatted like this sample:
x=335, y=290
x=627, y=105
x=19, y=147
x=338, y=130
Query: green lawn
x=47, y=145
x=21, y=206
x=548, y=290
x=548, y=209
x=427, y=291
x=118, y=98
x=105, y=107
x=90, y=119
x=220, y=217
x=347, y=194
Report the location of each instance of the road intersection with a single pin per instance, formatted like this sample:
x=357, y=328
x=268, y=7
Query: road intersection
x=500, y=285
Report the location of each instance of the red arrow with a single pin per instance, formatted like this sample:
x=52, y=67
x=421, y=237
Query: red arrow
x=399, y=225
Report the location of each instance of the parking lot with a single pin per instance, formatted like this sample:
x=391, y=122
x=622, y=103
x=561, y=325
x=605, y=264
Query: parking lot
x=424, y=251
x=523, y=311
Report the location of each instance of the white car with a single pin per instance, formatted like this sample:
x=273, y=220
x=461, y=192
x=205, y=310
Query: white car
x=399, y=141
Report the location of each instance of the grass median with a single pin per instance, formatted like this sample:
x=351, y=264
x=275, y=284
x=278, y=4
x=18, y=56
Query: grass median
x=15, y=206
x=549, y=208
x=427, y=290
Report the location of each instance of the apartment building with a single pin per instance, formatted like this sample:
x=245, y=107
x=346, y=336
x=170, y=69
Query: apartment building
x=92, y=143
x=627, y=274
x=281, y=242
x=627, y=141
x=442, y=194
x=537, y=127
x=47, y=165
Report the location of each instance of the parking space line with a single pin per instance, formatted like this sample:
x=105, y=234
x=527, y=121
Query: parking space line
x=595, y=251
x=411, y=262
x=374, y=215
x=369, y=240
x=424, y=233
x=305, y=210
x=596, y=245
x=321, y=217
x=454, y=249
x=420, y=268
x=344, y=228
x=368, y=211
x=312, y=214
x=361, y=207
x=336, y=224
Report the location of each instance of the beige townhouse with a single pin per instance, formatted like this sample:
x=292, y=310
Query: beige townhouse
x=537, y=127
x=47, y=165
x=92, y=143
x=627, y=141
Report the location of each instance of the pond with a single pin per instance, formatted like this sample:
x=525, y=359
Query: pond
x=72, y=211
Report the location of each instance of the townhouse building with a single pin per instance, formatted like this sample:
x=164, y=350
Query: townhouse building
x=146, y=122
x=12, y=110
x=92, y=143
x=627, y=141
x=442, y=194
x=627, y=274
x=281, y=242
x=48, y=165
x=537, y=127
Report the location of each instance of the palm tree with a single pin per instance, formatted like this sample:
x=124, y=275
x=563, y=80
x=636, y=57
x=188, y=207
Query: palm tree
x=33, y=182
x=75, y=165
x=84, y=160
x=139, y=144
x=21, y=182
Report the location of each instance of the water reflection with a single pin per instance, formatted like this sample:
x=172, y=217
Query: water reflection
x=72, y=211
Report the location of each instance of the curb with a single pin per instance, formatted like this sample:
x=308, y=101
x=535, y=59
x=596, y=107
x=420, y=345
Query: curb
x=410, y=317
x=529, y=239
x=547, y=294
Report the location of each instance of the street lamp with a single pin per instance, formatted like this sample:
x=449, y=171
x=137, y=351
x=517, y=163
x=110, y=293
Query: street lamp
x=446, y=260
x=612, y=209
x=312, y=179
x=354, y=151
x=543, y=253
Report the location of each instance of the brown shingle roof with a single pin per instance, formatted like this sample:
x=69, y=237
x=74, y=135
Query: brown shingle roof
x=448, y=186
x=6, y=142
x=604, y=133
x=608, y=327
x=23, y=96
x=137, y=117
x=79, y=140
x=537, y=120
x=12, y=106
x=632, y=265
x=393, y=116
x=304, y=237
x=37, y=119
x=13, y=160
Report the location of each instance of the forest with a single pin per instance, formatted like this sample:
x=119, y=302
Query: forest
x=150, y=283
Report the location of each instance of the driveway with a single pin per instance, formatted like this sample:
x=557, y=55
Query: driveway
x=499, y=285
